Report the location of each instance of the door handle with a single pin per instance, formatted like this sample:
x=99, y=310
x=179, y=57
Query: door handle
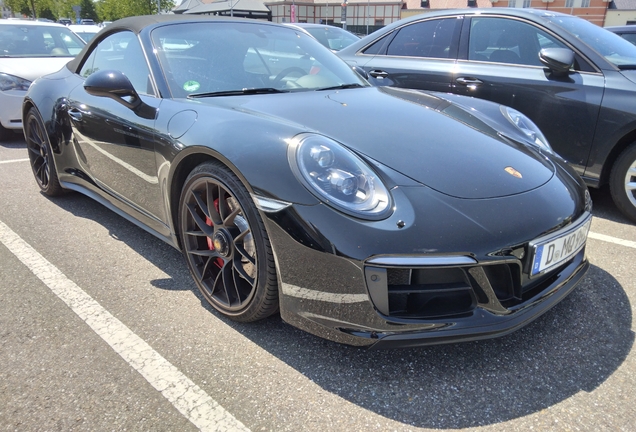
x=471, y=83
x=75, y=114
x=378, y=74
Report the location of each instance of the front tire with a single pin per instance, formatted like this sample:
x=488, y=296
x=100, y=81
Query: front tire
x=226, y=246
x=623, y=182
x=41, y=154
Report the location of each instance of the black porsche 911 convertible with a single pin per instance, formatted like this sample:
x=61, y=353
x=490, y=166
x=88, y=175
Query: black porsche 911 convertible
x=370, y=216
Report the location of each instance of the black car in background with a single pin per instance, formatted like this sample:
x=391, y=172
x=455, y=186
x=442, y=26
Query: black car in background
x=627, y=32
x=575, y=80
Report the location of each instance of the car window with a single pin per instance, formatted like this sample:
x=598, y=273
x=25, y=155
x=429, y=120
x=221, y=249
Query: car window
x=431, y=38
x=377, y=46
x=120, y=51
x=631, y=37
x=333, y=38
x=198, y=58
x=615, y=49
x=502, y=40
x=38, y=41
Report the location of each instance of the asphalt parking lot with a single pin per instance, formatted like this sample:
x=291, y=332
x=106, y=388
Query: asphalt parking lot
x=101, y=328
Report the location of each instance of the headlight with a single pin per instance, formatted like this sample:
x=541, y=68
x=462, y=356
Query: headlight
x=338, y=177
x=525, y=125
x=10, y=82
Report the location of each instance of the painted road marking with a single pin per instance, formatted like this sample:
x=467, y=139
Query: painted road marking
x=14, y=160
x=191, y=401
x=610, y=239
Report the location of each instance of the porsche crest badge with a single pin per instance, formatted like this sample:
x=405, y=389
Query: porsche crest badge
x=513, y=172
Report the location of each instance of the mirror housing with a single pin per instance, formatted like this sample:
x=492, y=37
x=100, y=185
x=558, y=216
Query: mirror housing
x=558, y=60
x=115, y=85
x=361, y=72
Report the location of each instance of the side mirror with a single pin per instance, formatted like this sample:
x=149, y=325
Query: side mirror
x=360, y=72
x=115, y=85
x=558, y=60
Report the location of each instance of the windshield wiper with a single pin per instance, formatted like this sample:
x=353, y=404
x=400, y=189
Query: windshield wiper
x=342, y=86
x=245, y=91
x=627, y=67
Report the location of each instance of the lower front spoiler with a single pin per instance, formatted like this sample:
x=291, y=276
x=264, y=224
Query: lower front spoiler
x=504, y=325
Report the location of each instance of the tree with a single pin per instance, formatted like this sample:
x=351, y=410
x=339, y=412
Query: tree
x=88, y=10
x=111, y=10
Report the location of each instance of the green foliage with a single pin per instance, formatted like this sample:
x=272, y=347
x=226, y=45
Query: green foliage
x=88, y=10
x=111, y=10
x=100, y=10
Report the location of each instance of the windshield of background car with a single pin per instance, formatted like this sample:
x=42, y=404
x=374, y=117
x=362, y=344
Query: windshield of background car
x=615, y=49
x=333, y=38
x=38, y=41
x=213, y=57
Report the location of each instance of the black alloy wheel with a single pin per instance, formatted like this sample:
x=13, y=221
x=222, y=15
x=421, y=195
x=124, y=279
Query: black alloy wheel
x=41, y=154
x=226, y=246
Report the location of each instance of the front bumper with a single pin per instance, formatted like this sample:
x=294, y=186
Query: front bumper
x=11, y=108
x=333, y=285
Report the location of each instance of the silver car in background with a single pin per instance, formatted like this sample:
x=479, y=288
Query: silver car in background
x=28, y=50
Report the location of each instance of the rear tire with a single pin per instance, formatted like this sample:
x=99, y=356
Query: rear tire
x=41, y=154
x=623, y=182
x=225, y=244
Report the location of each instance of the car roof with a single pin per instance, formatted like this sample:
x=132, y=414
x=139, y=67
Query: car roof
x=311, y=25
x=30, y=23
x=85, y=28
x=625, y=28
x=514, y=12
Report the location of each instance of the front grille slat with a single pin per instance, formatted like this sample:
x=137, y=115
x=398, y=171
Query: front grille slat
x=435, y=292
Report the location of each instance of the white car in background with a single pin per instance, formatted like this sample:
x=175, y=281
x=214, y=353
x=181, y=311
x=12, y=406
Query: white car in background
x=85, y=31
x=28, y=50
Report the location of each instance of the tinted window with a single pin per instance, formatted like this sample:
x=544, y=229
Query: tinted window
x=503, y=40
x=120, y=51
x=377, y=46
x=430, y=38
x=631, y=37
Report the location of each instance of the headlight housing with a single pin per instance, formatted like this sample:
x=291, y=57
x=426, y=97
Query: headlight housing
x=529, y=129
x=338, y=177
x=11, y=82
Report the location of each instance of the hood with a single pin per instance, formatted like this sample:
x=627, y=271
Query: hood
x=425, y=137
x=31, y=68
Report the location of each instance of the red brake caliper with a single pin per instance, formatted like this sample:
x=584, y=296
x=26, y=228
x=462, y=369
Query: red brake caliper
x=208, y=222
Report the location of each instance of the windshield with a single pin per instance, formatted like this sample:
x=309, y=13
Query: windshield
x=38, y=41
x=219, y=57
x=615, y=49
x=333, y=38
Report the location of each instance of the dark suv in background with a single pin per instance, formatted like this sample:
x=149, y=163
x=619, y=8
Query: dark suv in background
x=575, y=80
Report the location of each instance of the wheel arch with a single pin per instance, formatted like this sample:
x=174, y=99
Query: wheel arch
x=613, y=155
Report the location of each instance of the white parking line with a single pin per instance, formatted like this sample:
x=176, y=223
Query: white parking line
x=610, y=239
x=191, y=401
x=14, y=160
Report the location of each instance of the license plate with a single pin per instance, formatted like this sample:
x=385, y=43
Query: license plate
x=557, y=250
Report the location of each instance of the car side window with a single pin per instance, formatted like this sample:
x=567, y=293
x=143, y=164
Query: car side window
x=431, y=38
x=120, y=51
x=509, y=41
x=377, y=46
